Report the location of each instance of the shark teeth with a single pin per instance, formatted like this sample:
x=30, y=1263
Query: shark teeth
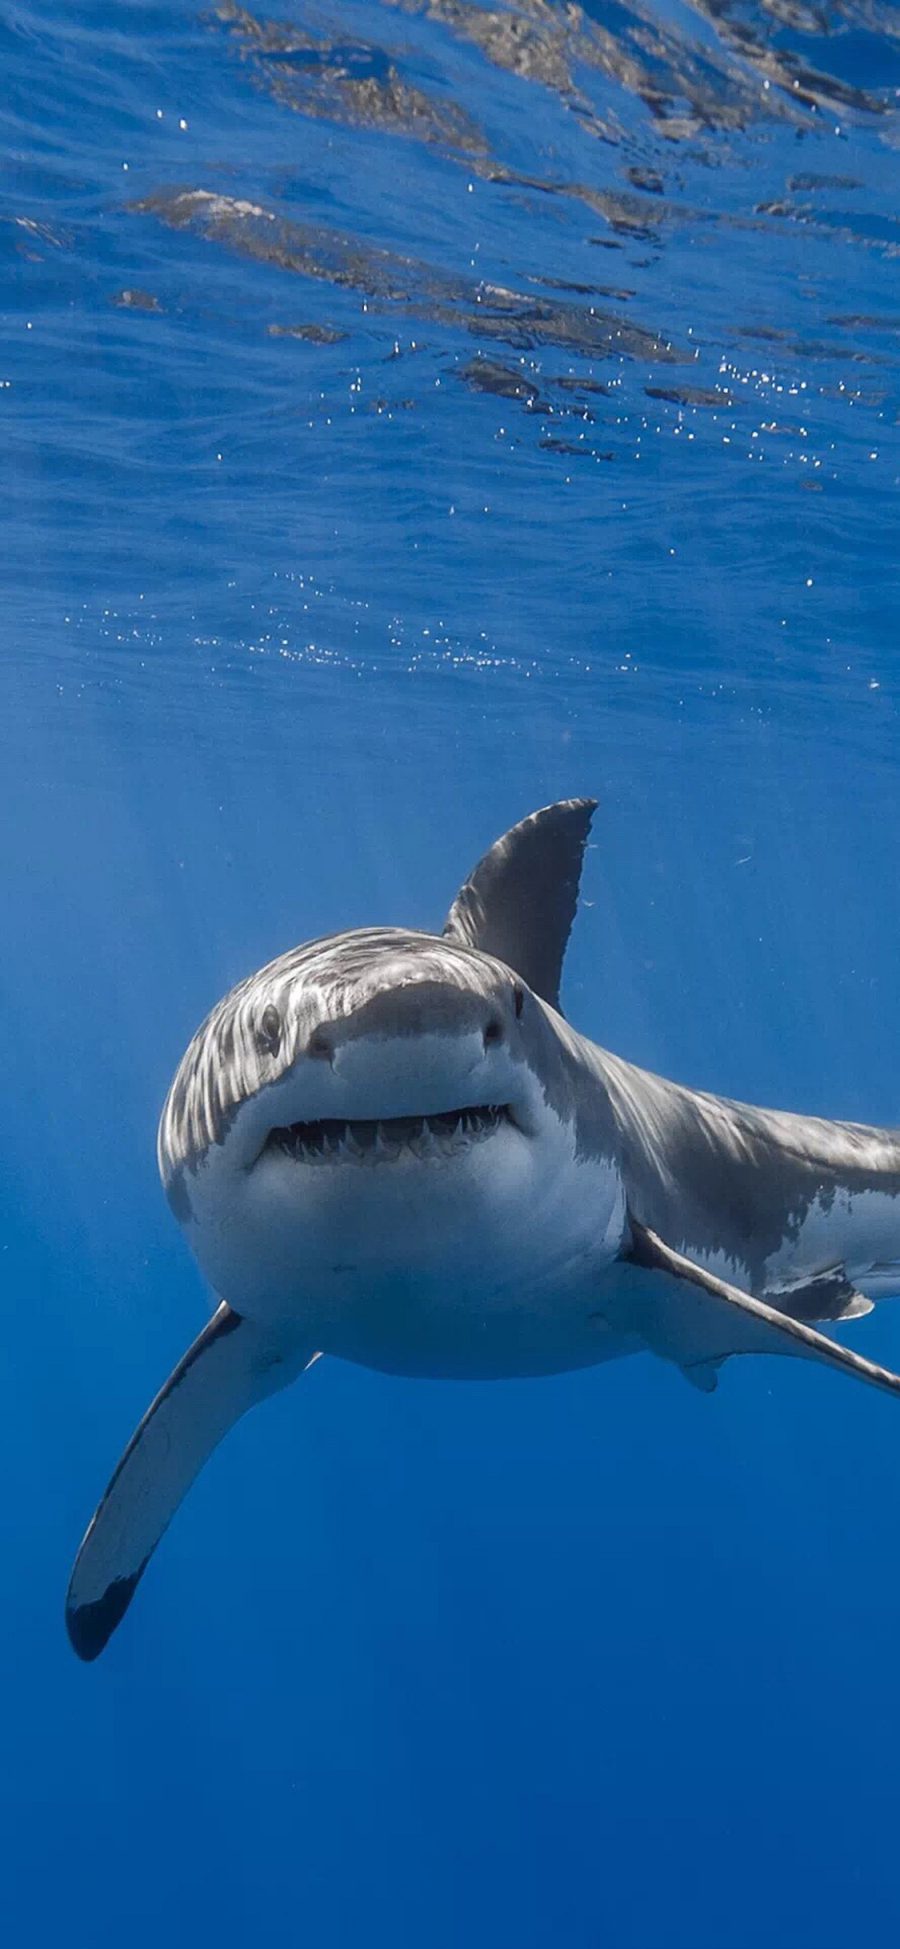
x=383, y=1140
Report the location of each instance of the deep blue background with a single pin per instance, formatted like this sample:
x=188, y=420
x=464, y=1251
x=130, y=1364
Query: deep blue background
x=292, y=629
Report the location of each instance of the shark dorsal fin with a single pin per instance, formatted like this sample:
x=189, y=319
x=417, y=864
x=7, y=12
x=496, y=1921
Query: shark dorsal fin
x=519, y=904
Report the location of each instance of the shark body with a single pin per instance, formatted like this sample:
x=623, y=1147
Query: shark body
x=390, y=1147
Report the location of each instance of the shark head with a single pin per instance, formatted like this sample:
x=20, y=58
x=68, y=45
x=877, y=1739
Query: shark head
x=371, y=1102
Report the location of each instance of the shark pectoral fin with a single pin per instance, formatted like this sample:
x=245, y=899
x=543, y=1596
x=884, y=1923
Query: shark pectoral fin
x=519, y=904
x=688, y=1315
x=228, y=1369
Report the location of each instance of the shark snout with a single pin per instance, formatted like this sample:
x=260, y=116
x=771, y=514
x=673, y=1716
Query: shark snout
x=419, y=1010
x=410, y=1048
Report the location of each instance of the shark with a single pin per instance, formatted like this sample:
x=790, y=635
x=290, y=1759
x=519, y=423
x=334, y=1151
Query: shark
x=390, y=1147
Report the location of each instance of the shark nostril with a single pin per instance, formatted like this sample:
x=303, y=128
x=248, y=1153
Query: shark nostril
x=320, y=1044
x=493, y=1032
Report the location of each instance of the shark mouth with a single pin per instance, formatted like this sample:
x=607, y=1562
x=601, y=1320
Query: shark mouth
x=367, y=1140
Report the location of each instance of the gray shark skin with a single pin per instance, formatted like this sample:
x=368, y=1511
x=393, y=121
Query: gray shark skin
x=391, y=1147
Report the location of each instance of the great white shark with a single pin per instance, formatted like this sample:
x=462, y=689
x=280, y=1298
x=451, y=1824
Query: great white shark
x=392, y=1148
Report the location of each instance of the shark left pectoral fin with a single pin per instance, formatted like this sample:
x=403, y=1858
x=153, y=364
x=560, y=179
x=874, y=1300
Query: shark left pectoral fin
x=690, y=1316
x=230, y=1366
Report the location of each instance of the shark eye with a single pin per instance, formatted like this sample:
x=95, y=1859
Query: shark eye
x=268, y=1034
x=519, y=998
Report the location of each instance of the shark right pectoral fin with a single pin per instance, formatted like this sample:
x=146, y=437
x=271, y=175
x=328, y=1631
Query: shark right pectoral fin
x=690, y=1316
x=230, y=1367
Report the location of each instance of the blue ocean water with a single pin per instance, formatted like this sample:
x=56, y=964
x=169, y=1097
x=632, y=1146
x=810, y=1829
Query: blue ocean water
x=416, y=411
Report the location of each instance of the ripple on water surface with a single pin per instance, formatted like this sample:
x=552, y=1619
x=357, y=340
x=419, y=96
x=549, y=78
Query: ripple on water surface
x=580, y=322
